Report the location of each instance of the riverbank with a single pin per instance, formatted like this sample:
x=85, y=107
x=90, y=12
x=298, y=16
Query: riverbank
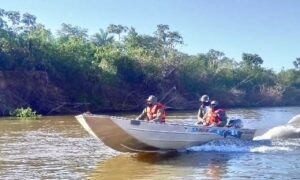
x=36, y=90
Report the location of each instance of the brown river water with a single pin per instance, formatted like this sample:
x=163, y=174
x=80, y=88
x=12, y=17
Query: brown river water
x=57, y=147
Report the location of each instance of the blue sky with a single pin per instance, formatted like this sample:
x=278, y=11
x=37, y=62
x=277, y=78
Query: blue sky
x=269, y=28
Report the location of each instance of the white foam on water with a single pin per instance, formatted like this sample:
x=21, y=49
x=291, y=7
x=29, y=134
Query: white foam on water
x=217, y=148
x=289, y=130
x=281, y=132
x=295, y=120
x=266, y=149
x=225, y=146
x=284, y=138
x=256, y=147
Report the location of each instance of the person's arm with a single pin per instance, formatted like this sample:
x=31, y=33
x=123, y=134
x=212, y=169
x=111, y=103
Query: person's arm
x=205, y=123
x=219, y=122
x=159, y=114
x=199, y=118
x=143, y=115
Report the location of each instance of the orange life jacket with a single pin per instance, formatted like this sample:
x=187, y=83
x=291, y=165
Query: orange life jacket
x=213, y=117
x=152, y=111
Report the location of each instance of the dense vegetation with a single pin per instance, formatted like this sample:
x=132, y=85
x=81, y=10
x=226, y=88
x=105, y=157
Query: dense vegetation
x=25, y=113
x=117, y=68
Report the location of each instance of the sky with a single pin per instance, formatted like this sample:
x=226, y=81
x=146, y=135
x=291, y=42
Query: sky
x=269, y=28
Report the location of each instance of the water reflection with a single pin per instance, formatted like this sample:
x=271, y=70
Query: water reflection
x=163, y=166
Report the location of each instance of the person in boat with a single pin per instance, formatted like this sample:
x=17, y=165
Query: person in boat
x=215, y=116
x=154, y=111
x=203, y=109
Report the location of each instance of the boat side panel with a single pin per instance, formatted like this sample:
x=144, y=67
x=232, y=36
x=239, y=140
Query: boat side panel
x=113, y=136
x=171, y=136
x=164, y=136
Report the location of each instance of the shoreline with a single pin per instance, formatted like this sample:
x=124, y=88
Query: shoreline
x=112, y=112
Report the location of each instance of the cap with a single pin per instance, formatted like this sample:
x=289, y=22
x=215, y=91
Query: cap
x=152, y=99
x=214, y=103
x=204, y=98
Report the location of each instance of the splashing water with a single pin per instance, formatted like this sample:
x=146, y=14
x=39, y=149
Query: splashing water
x=260, y=146
x=284, y=138
x=289, y=130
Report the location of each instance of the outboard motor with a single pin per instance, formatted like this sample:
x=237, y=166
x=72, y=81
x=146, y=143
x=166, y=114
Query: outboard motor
x=236, y=123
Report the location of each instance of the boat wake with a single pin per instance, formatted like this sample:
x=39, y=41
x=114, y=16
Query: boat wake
x=289, y=130
x=284, y=138
x=257, y=146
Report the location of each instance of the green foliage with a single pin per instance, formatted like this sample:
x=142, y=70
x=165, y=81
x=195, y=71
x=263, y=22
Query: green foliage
x=289, y=78
x=102, y=38
x=25, y=113
x=129, y=70
x=251, y=61
x=68, y=31
x=297, y=63
x=98, y=69
x=116, y=29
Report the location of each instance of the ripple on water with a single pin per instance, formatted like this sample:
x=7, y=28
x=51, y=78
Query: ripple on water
x=39, y=154
x=59, y=148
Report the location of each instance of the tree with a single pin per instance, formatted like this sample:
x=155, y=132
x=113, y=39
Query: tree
x=2, y=12
x=214, y=58
x=142, y=47
x=13, y=16
x=102, y=38
x=68, y=31
x=297, y=63
x=132, y=38
x=10, y=21
x=173, y=38
x=2, y=22
x=166, y=40
x=117, y=29
x=161, y=32
x=29, y=20
x=252, y=60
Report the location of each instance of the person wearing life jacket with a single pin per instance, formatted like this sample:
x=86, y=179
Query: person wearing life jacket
x=215, y=116
x=154, y=111
x=203, y=109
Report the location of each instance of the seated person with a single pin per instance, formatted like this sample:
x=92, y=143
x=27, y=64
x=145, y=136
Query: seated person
x=154, y=111
x=203, y=109
x=215, y=116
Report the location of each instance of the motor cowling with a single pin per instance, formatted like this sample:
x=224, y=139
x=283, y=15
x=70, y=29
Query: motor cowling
x=236, y=123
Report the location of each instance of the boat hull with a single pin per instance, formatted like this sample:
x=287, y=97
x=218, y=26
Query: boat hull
x=127, y=135
x=103, y=128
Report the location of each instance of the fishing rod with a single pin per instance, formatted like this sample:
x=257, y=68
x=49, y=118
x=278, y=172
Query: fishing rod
x=167, y=94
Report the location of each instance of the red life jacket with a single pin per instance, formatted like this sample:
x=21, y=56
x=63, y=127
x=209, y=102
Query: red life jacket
x=152, y=111
x=213, y=117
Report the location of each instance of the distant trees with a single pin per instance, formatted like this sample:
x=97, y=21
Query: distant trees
x=167, y=40
x=15, y=23
x=252, y=60
x=116, y=29
x=297, y=63
x=68, y=31
x=119, y=74
x=102, y=38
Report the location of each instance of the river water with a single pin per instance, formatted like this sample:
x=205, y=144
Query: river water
x=59, y=148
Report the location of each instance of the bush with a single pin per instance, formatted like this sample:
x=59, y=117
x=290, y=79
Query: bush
x=25, y=113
